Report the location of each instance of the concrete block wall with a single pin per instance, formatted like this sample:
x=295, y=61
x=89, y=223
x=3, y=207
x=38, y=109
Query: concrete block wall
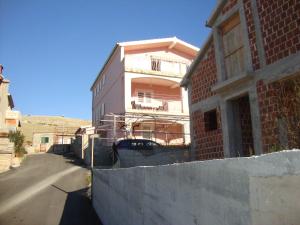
x=158, y=156
x=76, y=147
x=101, y=153
x=238, y=191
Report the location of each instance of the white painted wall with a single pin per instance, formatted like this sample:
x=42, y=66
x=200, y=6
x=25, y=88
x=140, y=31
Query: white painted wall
x=111, y=94
x=240, y=191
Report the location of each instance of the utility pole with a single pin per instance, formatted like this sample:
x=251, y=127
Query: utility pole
x=114, y=128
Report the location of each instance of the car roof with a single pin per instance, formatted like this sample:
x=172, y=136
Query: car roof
x=132, y=139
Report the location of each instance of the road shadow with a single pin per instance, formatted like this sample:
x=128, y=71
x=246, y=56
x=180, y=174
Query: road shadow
x=78, y=209
x=64, y=150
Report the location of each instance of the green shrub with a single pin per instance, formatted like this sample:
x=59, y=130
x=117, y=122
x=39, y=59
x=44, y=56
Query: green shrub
x=18, y=139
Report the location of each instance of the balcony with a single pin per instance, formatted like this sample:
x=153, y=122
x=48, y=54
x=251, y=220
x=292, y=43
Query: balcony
x=155, y=65
x=157, y=104
x=156, y=95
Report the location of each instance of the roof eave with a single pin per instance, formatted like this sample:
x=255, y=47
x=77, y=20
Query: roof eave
x=103, y=67
x=173, y=40
x=201, y=53
x=216, y=11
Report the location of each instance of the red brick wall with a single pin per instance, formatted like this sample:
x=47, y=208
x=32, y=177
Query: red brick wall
x=251, y=34
x=204, y=77
x=208, y=144
x=280, y=25
x=228, y=5
x=273, y=105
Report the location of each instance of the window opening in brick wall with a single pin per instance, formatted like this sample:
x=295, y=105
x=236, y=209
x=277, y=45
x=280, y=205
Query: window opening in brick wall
x=233, y=47
x=155, y=64
x=210, y=120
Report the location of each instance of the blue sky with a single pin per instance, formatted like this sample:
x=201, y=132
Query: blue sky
x=52, y=50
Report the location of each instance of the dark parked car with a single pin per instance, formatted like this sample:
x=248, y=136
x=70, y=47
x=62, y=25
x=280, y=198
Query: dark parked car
x=135, y=144
x=128, y=147
x=143, y=145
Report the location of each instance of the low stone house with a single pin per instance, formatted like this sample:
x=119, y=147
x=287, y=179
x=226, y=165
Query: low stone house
x=244, y=85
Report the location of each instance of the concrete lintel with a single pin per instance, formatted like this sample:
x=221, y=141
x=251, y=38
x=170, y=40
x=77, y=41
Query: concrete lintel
x=232, y=82
x=207, y=104
x=281, y=69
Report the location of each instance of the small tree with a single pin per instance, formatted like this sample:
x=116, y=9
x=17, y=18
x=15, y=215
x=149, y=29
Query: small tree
x=18, y=139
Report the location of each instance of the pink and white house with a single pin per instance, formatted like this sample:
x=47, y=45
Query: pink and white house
x=139, y=85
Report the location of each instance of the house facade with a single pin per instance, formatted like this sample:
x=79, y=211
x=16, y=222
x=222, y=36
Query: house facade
x=137, y=92
x=9, y=121
x=244, y=85
x=9, y=118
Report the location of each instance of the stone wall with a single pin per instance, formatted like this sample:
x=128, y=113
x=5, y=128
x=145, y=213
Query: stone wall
x=239, y=191
x=5, y=161
x=6, y=154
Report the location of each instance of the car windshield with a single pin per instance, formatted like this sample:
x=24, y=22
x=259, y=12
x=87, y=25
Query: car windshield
x=137, y=144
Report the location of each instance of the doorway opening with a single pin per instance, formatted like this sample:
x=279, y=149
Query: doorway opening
x=241, y=132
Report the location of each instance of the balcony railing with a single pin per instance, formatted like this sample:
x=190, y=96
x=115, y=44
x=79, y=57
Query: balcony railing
x=156, y=64
x=156, y=105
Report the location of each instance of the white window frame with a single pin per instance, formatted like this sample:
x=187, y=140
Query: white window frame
x=145, y=92
x=103, y=79
x=102, y=109
x=157, y=64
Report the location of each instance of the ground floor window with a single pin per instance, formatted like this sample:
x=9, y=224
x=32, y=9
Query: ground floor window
x=44, y=140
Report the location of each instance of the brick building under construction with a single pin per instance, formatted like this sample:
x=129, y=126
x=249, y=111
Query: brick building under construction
x=244, y=85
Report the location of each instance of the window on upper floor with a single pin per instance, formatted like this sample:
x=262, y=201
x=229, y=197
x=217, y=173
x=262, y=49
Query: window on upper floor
x=155, y=64
x=102, y=110
x=140, y=96
x=233, y=47
x=144, y=97
x=103, y=79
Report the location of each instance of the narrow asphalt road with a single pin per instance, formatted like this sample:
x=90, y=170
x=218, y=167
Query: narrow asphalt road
x=47, y=189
